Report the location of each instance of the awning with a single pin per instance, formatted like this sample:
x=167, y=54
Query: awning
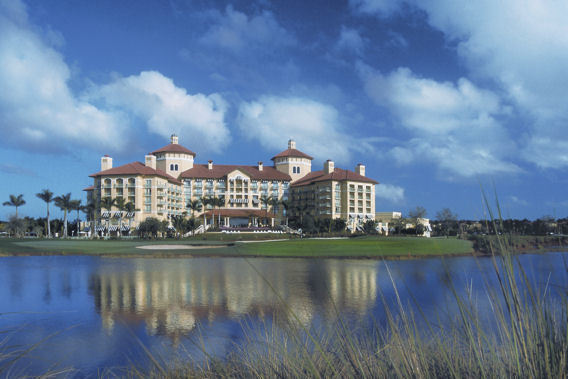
x=113, y=228
x=105, y=214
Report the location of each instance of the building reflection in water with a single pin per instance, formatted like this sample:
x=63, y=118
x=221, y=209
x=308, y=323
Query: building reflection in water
x=172, y=296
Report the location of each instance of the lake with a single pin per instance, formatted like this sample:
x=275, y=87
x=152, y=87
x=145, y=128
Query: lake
x=93, y=313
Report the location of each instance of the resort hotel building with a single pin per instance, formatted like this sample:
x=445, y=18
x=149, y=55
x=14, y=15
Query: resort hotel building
x=248, y=196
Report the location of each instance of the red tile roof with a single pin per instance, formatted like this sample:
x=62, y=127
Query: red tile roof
x=136, y=168
x=338, y=174
x=291, y=153
x=239, y=213
x=220, y=170
x=173, y=148
x=89, y=188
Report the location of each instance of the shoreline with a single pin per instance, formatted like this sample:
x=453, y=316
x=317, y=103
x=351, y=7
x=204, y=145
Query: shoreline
x=364, y=249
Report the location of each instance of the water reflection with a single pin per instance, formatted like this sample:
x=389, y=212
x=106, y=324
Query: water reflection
x=171, y=297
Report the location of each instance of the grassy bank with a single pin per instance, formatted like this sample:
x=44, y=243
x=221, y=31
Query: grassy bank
x=361, y=247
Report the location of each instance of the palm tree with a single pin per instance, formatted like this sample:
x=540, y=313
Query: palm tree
x=179, y=225
x=107, y=203
x=47, y=196
x=120, y=204
x=130, y=207
x=217, y=202
x=286, y=204
x=63, y=202
x=76, y=205
x=301, y=209
x=206, y=201
x=266, y=201
x=90, y=211
x=194, y=205
x=15, y=201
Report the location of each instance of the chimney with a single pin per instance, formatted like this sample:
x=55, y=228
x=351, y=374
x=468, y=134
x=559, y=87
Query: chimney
x=328, y=166
x=259, y=166
x=291, y=144
x=106, y=163
x=174, y=139
x=210, y=165
x=360, y=169
x=150, y=161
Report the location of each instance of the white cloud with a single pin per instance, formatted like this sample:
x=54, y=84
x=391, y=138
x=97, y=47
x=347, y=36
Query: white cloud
x=381, y=7
x=520, y=46
x=350, y=40
x=37, y=108
x=453, y=125
x=40, y=112
x=236, y=31
x=392, y=193
x=166, y=108
x=315, y=127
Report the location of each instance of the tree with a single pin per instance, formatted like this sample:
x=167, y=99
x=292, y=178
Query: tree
x=120, y=204
x=286, y=204
x=205, y=201
x=179, y=223
x=301, y=210
x=15, y=201
x=194, y=205
x=107, y=203
x=47, y=196
x=447, y=219
x=130, y=207
x=90, y=210
x=16, y=226
x=265, y=200
x=149, y=227
x=192, y=224
x=416, y=213
x=63, y=202
x=370, y=226
x=76, y=205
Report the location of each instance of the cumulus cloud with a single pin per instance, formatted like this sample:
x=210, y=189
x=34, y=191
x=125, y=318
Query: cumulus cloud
x=37, y=107
x=381, y=7
x=40, y=112
x=236, y=31
x=166, y=108
x=454, y=125
x=522, y=48
x=315, y=127
x=392, y=193
x=350, y=40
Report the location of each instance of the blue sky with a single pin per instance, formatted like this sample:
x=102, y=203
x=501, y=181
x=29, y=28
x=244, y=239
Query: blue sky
x=433, y=97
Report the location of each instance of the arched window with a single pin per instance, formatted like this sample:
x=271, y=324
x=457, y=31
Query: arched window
x=176, y=167
x=171, y=167
x=298, y=170
x=294, y=169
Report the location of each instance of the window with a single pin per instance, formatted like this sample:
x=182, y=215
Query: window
x=176, y=167
x=171, y=167
x=294, y=169
x=298, y=169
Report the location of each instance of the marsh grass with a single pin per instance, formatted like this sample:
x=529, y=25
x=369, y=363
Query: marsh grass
x=524, y=335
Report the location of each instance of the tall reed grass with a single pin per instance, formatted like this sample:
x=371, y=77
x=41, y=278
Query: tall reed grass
x=525, y=335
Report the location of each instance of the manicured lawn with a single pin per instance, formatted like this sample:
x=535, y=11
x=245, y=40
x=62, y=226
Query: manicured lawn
x=372, y=247
x=359, y=247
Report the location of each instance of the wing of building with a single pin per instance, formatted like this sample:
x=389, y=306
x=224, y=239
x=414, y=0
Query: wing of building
x=170, y=183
